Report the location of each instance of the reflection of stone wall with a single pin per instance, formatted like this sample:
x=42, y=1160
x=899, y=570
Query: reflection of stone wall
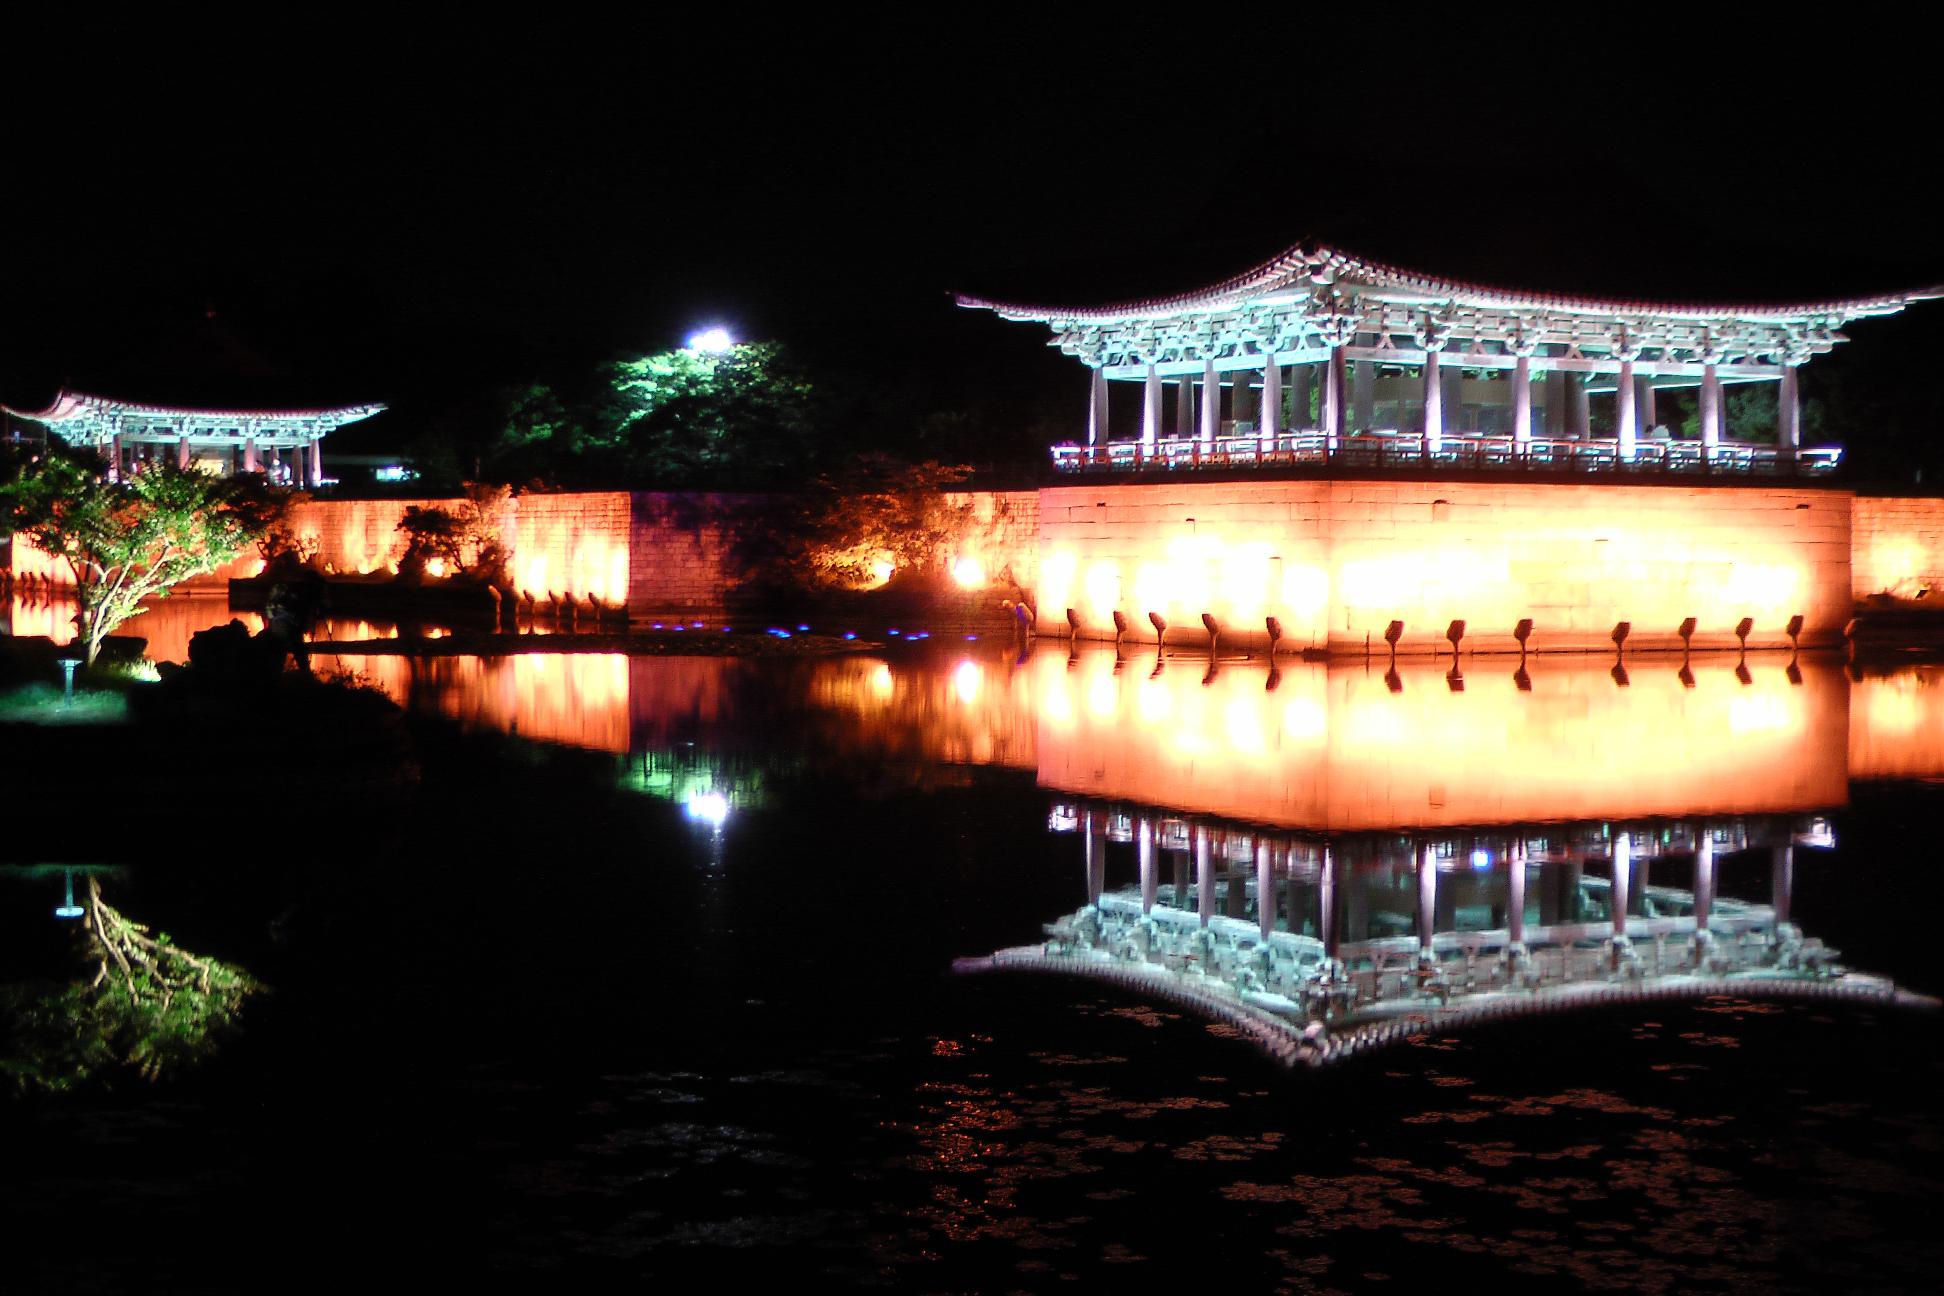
x=1896, y=546
x=1335, y=748
x=1896, y=725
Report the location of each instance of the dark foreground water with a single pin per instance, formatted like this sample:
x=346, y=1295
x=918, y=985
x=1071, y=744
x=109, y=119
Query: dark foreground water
x=543, y=1022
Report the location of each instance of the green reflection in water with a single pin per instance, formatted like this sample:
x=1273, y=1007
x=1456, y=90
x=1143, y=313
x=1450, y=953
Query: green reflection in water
x=687, y=774
x=138, y=1004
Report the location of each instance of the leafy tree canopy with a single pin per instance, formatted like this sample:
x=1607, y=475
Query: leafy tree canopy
x=680, y=418
x=134, y=539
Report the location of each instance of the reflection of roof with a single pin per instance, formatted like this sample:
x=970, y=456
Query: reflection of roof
x=1298, y=1005
x=1289, y=1042
x=1302, y=266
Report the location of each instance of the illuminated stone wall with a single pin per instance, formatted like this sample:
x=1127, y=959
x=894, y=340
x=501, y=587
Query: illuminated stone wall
x=1337, y=561
x=1334, y=561
x=1001, y=532
x=574, y=544
x=1896, y=547
x=354, y=535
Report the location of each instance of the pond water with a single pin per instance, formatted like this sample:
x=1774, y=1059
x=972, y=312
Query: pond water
x=663, y=986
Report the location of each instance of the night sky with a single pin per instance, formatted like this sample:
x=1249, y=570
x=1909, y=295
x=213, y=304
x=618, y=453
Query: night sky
x=413, y=213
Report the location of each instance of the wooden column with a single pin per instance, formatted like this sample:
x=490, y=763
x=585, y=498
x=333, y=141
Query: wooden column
x=1623, y=416
x=1184, y=423
x=115, y=458
x=1326, y=887
x=1427, y=895
x=1269, y=425
x=1211, y=402
x=1782, y=879
x=182, y=451
x=1622, y=870
x=1265, y=890
x=1333, y=384
x=1579, y=405
x=1710, y=406
x=1515, y=894
x=314, y=463
x=250, y=461
x=1704, y=876
x=1649, y=416
x=1433, y=404
x=1788, y=413
x=1151, y=408
x=1144, y=846
x=1097, y=409
x=1521, y=402
x=1087, y=857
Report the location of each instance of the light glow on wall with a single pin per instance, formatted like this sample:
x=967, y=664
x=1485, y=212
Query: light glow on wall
x=1896, y=566
x=1337, y=561
x=969, y=572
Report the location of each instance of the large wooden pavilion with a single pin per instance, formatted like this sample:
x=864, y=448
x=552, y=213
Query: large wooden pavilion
x=284, y=443
x=1320, y=356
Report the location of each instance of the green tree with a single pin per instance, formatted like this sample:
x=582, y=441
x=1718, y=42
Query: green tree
x=130, y=540
x=689, y=417
x=674, y=418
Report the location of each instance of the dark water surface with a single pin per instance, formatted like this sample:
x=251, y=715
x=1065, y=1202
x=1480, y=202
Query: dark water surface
x=545, y=1022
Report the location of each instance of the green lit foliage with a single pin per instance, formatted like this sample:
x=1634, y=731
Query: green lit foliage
x=677, y=418
x=1748, y=412
x=538, y=435
x=691, y=416
x=130, y=540
x=142, y=1005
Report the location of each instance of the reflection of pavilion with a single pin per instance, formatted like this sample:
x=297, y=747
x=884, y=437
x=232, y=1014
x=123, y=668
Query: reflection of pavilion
x=1319, y=947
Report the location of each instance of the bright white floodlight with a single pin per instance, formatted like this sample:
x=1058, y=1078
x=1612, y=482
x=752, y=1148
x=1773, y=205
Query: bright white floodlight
x=714, y=341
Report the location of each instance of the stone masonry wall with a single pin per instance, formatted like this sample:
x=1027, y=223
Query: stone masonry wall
x=1896, y=546
x=1337, y=561
x=1334, y=561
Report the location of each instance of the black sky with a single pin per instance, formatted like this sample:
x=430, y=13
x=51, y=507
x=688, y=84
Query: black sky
x=403, y=212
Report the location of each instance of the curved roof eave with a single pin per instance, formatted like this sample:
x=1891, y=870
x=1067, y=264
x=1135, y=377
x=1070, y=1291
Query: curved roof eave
x=67, y=406
x=1325, y=264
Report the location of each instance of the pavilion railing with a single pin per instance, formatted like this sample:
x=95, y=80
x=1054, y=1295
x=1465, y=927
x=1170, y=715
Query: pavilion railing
x=1408, y=450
